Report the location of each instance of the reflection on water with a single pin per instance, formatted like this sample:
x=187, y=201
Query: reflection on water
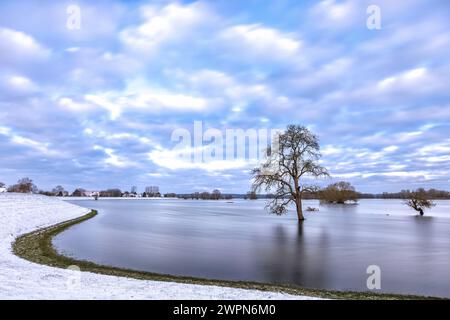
x=240, y=241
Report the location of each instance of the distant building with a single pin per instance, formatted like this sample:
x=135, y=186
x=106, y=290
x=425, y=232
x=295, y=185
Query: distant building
x=127, y=194
x=152, y=190
x=133, y=189
x=91, y=193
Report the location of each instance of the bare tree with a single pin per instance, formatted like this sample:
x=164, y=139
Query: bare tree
x=419, y=201
x=24, y=185
x=286, y=167
x=216, y=195
x=205, y=195
x=251, y=195
x=116, y=193
x=58, y=191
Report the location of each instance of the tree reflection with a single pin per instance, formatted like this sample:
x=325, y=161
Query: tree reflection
x=296, y=257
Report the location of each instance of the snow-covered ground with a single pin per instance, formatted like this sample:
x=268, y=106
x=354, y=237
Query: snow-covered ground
x=21, y=279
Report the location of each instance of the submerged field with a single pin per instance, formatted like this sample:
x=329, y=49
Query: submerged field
x=238, y=240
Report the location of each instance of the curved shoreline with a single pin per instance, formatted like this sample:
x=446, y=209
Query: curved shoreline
x=36, y=246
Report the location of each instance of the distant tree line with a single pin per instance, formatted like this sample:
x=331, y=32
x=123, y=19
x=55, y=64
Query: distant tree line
x=170, y=195
x=251, y=195
x=214, y=195
x=112, y=193
x=430, y=193
x=339, y=192
x=26, y=185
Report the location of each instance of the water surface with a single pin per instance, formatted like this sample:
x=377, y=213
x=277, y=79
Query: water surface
x=241, y=241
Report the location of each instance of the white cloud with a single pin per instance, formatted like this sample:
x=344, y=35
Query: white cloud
x=430, y=35
x=222, y=89
x=41, y=147
x=16, y=139
x=5, y=131
x=118, y=136
x=181, y=159
x=171, y=23
x=259, y=41
x=88, y=131
x=114, y=109
x=328, y=73
x=396, y=167
x=207, y=79
x=402, y=174
x=140, y=96
x=156, y=175
x=443, y=158
x=410, y=79
x=16, y=45
x=114, y=160
x=72, y=49
x=348, y=175
x=391, y=174
x=435, y=148
x=335, y=15
x=329, y=150
x=18, y=84
x=390, y=149
x=69, y=104
x=172, y=101
x=407, y=136
x=129, y=136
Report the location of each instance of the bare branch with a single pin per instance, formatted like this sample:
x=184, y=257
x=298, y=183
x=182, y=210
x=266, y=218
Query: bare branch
x=297, y=155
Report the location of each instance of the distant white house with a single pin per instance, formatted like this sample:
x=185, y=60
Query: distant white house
x=91, y=193
x=3, y=189
x=130, y=195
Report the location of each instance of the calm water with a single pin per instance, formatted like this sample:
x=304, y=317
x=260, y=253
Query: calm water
x=241, y=241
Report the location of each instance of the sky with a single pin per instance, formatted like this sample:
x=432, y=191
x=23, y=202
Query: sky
x=92, y=94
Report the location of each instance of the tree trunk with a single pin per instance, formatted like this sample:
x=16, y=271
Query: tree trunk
x=421, y=211
x=298, y=205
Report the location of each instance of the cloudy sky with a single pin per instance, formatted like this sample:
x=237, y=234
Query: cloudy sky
x=96, y=106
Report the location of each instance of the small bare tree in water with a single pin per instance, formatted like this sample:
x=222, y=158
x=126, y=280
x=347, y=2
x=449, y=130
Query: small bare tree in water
x=419, y=201
x=295, y=158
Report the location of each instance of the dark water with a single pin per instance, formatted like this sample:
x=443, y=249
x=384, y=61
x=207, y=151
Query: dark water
x=241, y=241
